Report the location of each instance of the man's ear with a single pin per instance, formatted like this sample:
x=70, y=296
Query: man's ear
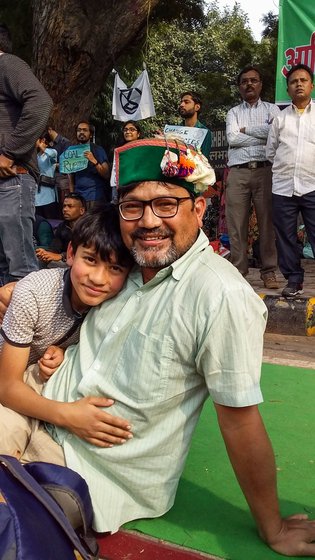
x=82, y=210
x=70, y=254
x=200, y=208
x=197, y=107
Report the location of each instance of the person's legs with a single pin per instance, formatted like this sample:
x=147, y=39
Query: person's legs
x=17, y=210
x=307, y=204
x=238, y=201
x=24, y=437
x=285, y=213
x=261, y=186
x=15, y=431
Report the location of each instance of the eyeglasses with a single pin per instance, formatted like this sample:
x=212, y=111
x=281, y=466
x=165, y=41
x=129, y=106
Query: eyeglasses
x=246, y=81
x=162, y=207
x=130, y=130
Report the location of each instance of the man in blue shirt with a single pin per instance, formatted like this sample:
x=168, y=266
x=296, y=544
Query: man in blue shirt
x=91, y=183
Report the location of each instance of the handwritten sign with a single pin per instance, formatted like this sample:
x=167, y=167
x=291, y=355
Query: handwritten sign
x=73, y=159
x=189, y=134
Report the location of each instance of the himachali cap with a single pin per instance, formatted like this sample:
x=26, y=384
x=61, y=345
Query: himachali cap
x=163, y=160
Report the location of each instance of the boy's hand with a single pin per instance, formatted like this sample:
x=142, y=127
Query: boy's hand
x=5, y=298
x=50, y=361
x=87, y=420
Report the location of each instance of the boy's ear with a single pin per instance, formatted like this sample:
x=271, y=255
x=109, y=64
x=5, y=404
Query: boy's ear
x=70, y=254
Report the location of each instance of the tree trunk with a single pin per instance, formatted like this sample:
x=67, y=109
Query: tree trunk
x=76, y=45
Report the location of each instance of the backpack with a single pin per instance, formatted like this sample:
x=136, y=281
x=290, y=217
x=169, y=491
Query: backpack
x=45, y=513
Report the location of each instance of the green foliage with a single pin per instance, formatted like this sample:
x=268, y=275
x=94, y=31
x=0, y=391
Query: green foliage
x=206, y=58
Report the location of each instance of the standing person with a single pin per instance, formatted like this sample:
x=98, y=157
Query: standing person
x=60, y=144
x=24, y=110
x=249, y=179
x=131, y=131
x=159, y=349
x=74, y=206
x=189, y=109
x=46, y=204
x=92, y=182
x=291, y=148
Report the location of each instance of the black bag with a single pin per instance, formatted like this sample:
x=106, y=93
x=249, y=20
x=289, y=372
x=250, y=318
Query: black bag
x=45, y=181
x=45, y=512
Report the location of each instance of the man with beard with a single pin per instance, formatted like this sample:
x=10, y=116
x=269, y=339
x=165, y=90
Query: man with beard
x=189, y=109
x=250, y=178
x=92, y=182
x=159, y=349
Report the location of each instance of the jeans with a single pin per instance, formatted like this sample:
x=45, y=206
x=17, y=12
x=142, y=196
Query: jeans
x=285, y=217
x=17, y=211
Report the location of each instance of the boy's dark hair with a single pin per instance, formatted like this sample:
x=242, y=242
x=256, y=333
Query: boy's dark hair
x=5, y=39
x=195, y=97
x=246, y=69
x=99, y=228
x=79, y=197
x=300, y=67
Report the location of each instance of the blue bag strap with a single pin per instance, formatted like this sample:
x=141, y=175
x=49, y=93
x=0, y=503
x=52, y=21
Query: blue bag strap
x=68, y=488
x=21, y=474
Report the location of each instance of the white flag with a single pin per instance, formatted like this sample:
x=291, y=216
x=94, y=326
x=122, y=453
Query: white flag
x=134, y=103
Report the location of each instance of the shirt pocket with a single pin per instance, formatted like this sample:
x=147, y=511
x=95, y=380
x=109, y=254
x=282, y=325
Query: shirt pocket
x=143, y=369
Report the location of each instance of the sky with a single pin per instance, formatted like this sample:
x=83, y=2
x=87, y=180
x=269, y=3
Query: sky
x=255, y=9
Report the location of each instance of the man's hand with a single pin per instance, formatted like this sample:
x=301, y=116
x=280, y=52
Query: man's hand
x=296, y=537
x=5, y=298
x=87, y=420
x=90, y=157
x=50, y=361
x=6, y=164
x=47, y=256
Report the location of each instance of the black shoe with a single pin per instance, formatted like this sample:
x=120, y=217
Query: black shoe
x=292, y=290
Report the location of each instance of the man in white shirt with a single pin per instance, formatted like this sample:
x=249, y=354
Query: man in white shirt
x=291, y=148
x=249, y=180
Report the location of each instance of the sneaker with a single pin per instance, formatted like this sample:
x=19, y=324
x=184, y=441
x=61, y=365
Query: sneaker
x=292, y=290
x=270, y=281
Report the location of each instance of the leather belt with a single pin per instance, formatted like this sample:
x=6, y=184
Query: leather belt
x=253, y=164
x=19, y=170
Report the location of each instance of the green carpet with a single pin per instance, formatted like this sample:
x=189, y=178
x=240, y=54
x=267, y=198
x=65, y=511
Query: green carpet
x=210, y=514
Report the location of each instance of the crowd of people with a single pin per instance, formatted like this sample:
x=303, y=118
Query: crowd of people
x=146, y=337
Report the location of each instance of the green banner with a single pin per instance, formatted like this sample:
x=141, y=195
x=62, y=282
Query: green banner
x=296, y=41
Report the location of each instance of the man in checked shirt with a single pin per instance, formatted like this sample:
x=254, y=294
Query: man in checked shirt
x=249, y=180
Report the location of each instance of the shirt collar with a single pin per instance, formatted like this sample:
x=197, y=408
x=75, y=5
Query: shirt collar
x=249, y=106
x=309, y=106
x=66, y=298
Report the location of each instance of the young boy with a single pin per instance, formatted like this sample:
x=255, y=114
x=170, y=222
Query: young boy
x=47, y=308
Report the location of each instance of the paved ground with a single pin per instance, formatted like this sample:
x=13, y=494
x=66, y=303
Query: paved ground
x=253, y=278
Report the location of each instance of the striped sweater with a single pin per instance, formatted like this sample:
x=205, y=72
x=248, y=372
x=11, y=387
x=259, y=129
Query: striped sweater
x=24, y=110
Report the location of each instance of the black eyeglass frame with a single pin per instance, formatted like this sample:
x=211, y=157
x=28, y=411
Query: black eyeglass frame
x=150, y=203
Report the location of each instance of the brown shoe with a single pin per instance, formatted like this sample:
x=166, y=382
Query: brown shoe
x=270, y=281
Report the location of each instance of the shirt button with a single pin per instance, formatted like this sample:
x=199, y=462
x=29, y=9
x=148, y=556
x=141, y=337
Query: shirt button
x=115, y=328
x=138, y=293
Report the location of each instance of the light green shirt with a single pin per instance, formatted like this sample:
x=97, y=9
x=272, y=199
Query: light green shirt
x=158, y=349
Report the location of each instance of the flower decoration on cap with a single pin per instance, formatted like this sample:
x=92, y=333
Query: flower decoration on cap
x=188, y=164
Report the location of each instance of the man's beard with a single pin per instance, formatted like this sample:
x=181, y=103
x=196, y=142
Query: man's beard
x=153, y=257
x=187, y=114
x=146, y=258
